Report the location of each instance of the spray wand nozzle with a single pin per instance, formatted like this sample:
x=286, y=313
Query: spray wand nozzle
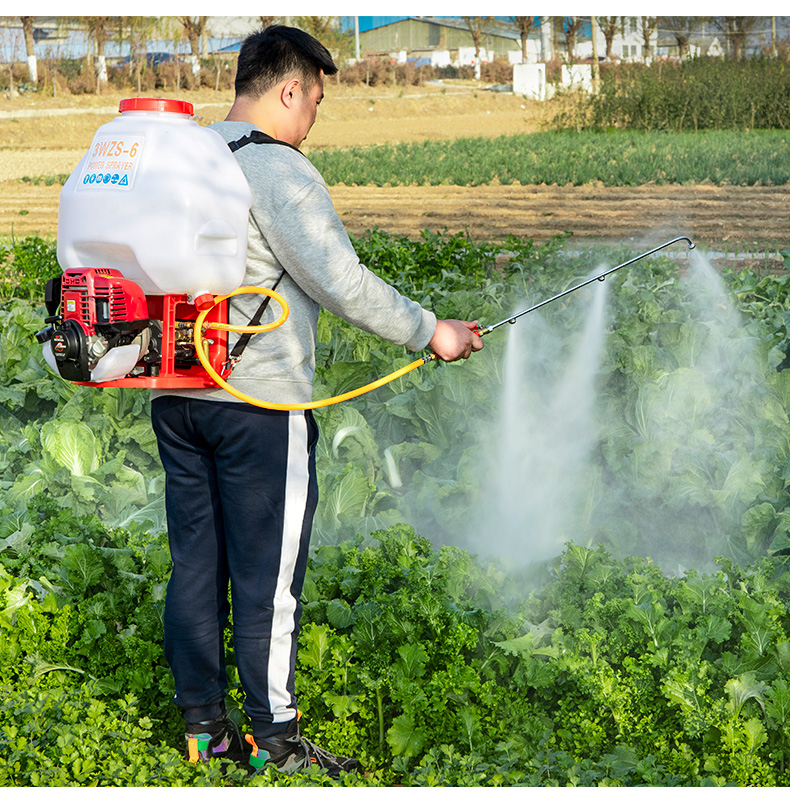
x=484, y=330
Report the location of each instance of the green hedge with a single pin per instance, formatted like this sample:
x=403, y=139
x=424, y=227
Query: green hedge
x=694, y=94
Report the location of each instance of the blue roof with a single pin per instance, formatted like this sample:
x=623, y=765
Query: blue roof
x=230, y=48
x=372, y=22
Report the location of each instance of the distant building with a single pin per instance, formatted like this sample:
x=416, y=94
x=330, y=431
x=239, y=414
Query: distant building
x=444, y=39
x=423, y=37
x=698, y=45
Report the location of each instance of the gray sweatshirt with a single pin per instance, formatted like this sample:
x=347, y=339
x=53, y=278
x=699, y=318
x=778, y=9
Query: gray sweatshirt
x=293, y=227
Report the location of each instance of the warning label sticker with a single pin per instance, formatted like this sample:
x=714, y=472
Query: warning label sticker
x=112, y=162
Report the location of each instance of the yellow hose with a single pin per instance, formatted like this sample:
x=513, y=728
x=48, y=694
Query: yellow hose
x=201, y=324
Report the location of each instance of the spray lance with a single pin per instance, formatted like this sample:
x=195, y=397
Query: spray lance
x=512, y=320
x=201, y=325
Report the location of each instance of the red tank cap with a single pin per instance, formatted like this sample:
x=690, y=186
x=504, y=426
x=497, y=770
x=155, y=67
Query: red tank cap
x=204, y=302
x=156, y=105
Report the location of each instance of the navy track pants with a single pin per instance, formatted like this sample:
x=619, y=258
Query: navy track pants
x=240, y=495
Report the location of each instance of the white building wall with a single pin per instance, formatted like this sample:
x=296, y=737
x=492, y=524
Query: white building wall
x=466, y=56
x=440, y=58
x=533, y=52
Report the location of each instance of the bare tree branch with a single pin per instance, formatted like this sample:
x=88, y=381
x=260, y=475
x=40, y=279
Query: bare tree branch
x=609, y=29
x=682, y=28
x=649, y=25
x=525, y=25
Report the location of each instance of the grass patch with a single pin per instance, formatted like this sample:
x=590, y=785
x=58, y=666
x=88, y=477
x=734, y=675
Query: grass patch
x=46, y=181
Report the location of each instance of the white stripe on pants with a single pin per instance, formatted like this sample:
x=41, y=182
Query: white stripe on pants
x=283, y=623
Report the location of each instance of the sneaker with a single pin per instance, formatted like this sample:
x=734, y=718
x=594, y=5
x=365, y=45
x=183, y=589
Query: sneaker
x=218, y=738
x=288, y=752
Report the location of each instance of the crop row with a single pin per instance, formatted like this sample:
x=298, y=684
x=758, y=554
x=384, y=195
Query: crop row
x=688, y=390
x=614, y=158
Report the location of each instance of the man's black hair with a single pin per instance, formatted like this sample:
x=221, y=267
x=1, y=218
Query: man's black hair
x=278, y=53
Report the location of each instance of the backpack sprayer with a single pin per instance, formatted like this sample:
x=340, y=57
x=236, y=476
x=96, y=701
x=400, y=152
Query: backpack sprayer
x=146, y=240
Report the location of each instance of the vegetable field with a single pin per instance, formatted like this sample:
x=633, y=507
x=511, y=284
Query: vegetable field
x=610, y=662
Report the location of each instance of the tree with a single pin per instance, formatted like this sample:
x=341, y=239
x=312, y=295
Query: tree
x=525, y=25
x=98, y=29
x=735, y=29
x=319, y=27
x=649, y=25
x=135, y=31
x=9, y=43
x=596, y=71
x=774, y=50
x=573, y=24
x=609, y=29
x=171, y=29
x=556, y=29
x=267, y=20
x=682, y=28
x=325, y=29
x=194, y=29
x=32, y=66
x=476, y=24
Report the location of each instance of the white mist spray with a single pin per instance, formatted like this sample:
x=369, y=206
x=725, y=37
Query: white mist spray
x=534, y=487
x=692, y=452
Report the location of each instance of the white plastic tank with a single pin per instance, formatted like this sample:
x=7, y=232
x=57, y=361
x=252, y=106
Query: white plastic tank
x=159, y=198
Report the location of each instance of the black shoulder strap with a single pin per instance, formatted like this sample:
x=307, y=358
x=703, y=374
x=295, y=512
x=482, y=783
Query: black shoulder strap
x=256, y=136
x=244, y=338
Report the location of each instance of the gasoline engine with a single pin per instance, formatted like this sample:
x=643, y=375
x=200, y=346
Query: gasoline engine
x=104, y=329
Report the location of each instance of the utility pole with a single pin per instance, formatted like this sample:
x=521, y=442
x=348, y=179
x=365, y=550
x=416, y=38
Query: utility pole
x=595, y=72
x=773, y=36
x=545, y=38
x=356, y=37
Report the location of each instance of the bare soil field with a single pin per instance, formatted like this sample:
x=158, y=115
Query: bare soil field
x=42, y=137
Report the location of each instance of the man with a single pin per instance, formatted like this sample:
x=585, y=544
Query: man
x=241, y=488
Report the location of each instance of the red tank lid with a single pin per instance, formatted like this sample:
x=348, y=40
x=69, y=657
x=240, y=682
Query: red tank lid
x=156, y=105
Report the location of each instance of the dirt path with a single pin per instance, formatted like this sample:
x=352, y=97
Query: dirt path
x=717, y=216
